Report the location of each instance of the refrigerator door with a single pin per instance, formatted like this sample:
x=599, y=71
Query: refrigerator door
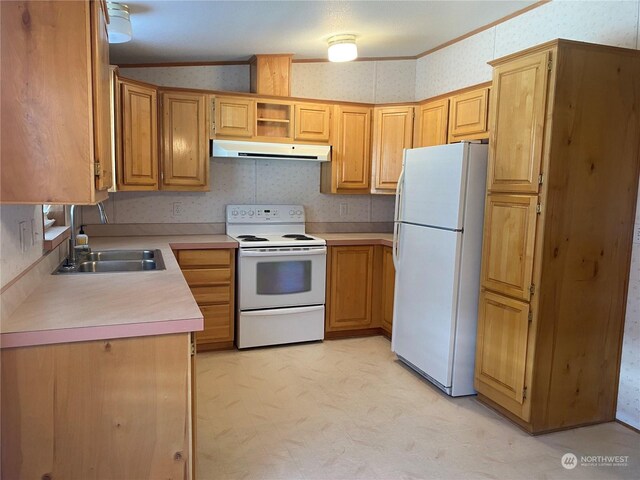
x=433, y=190
x=426, y=299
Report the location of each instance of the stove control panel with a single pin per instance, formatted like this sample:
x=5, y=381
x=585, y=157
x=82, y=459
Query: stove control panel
x=265, y=214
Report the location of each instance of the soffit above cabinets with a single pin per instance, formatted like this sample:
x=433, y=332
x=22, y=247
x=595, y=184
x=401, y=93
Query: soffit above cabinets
x=193, y=31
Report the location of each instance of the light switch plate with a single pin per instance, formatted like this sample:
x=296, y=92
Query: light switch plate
x=177, y=209
x=636, y=233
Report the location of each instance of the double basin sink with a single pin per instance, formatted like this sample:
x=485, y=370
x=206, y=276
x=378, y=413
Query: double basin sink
x=110, y=261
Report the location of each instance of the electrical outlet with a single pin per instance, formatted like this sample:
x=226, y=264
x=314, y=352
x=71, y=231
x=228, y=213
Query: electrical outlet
x=177, y=209
x=636, y=233
x=344, y=209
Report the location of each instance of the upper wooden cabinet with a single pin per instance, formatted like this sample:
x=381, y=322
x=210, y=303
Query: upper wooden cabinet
x=136, y=136
x=509, y=236
x=431, y=123
x=56, y=136
x=518, y=104
x=271, y=74
x=350, y=168
x=350, y=287
x=468, y=115
x=312, y=122
x=234, y=117
x=184, y=145
x=392, y=133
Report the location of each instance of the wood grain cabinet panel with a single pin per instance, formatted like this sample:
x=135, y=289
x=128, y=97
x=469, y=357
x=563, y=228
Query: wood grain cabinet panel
x=115, y=408
x=518, y=104
x=508, y=246
x=431, y=123
x=468, y=115
x=392, y=133
x=501, y=354
x=137, y=138
x=235, y=117
x=350, y=168
x=55, y=110
x=185, y=141
x=350, y=287
x=388, y=288
x=312, y=122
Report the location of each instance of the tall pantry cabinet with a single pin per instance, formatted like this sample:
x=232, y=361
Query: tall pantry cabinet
x=562, y=185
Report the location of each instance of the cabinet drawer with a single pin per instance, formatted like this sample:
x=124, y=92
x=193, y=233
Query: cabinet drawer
x=218, y=323
x=204, y=258
x=207, y=276
x=219, y=294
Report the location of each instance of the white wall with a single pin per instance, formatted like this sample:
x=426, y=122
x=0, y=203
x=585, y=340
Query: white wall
x=13, y=260
x=463, y=64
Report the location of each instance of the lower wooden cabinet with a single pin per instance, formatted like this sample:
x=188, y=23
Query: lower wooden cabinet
x=388, y=288
x=360, y=290
x=211, y=276
x=118, y=408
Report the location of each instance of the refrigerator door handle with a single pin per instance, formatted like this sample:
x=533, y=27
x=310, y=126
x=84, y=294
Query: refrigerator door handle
x=396, y=218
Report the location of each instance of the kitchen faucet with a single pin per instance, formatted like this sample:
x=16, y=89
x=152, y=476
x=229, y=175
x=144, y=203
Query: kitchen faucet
x=73, y=248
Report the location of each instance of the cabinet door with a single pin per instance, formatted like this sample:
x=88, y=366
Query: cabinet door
x=312, y=122
x=388, y=286
x=501, y=351
x=431, y=124
x=235, y=117
x=392, y=133
x=137, y=138
x=518, y=107
x=185, y=141
x=468, y=116
x=350, y=287
x=509, y=237
x=352, y=148
x=101, y=76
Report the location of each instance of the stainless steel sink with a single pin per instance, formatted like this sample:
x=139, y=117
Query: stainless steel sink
x=110, y=261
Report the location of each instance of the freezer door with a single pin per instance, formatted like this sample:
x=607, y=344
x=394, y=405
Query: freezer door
x=434, y=180
x=426, y=299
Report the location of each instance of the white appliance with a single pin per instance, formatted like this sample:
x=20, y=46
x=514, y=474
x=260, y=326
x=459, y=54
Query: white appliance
x=271, y=151
x=281, y=275
x=437, y=252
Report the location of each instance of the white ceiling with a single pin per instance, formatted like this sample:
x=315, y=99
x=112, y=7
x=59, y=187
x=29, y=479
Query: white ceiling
x=192, y=31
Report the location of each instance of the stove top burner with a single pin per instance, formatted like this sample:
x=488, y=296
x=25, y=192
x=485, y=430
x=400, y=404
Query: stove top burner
x=252, y=238
x=246, y=236
x=297, y=236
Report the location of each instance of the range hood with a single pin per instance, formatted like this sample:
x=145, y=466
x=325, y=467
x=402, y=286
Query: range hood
x=271, y=151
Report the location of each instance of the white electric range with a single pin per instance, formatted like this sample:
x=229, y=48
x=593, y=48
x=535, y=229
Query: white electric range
x=281, y=275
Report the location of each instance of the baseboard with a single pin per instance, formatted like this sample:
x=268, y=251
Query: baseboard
x=209, y=347
x=630, y=427
x=361, y=332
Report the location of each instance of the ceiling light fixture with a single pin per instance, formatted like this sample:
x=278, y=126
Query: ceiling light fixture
x=342, y=48
x=119, y=27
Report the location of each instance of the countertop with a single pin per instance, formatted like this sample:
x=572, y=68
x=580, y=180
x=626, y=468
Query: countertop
x=337, y=239
x=71, y=308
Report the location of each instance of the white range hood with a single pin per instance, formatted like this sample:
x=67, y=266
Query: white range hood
x=271, y=151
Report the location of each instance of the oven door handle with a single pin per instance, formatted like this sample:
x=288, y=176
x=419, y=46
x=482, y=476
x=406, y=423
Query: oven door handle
x=281, y=311
x=284, y=253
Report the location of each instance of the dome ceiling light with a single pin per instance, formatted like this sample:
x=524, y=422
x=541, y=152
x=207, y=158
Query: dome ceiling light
x=119, y=27
x=342, y=48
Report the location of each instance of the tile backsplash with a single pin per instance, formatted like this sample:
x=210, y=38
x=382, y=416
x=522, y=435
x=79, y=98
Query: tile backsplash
x=246, y=181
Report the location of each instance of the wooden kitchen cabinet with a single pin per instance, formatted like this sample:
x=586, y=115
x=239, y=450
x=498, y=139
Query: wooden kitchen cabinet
x=118, y=408
x=350, y=168
x=234, y=117
x=553, y=298
x=55, y=112
x=184, y=145
x=270, y=74
x=431, y=123
x=137, y=136
x=211, y=276
x=312, y=122
x=468, y=115
x=519, y=104
x=349, y=287
x=392, y=133
x=388, y=288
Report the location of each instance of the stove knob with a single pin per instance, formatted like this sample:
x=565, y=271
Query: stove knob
x=251, y=213
x=291, y=212
x=234, y=213
x=243, y=213
x=299, y=212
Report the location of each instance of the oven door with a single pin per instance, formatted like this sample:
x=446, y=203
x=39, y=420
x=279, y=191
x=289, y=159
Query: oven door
x=281, y=277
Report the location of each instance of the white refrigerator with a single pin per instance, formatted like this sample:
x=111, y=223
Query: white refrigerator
x=437, y=252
